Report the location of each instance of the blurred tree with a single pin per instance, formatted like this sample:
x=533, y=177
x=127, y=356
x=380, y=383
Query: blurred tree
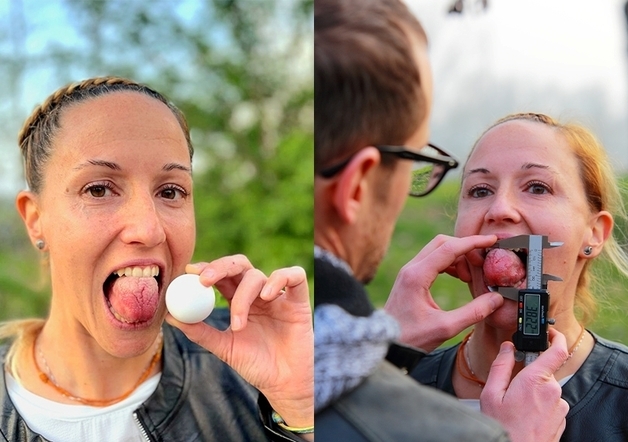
x=241, y=72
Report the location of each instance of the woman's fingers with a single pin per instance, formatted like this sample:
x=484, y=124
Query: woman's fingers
x=291, y=280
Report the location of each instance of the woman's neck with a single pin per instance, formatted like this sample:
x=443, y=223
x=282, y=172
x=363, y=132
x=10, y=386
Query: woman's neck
x=64, y=366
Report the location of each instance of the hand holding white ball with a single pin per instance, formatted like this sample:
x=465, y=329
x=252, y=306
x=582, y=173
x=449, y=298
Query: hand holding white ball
x=188, y=300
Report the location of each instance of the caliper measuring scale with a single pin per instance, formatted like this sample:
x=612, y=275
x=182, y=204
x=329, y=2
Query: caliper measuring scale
x=531, y=337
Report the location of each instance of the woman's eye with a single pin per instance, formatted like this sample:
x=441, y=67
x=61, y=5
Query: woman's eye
x=172, y=193
x=98, y=190
x=479, y=192
x=538, y=188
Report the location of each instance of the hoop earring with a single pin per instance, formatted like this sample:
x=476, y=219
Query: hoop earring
x=40, y=244
x=588, y=250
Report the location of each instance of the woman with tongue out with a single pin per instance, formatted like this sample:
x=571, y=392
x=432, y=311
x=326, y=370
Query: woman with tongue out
x=530, y=175
x=108, y=164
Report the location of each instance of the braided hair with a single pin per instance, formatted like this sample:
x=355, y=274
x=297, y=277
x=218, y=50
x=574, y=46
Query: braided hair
x=37, y=133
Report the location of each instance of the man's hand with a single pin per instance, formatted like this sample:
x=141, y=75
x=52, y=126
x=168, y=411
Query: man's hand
x=270, y=342
x=530, y=407
x=423, y=323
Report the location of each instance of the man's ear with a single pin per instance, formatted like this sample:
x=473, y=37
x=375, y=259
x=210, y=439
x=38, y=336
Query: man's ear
x=28, y=207
x=353, y=183
x=601, y=228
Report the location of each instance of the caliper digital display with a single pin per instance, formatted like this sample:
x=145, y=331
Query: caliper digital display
x=532, y=314
x=532, y=321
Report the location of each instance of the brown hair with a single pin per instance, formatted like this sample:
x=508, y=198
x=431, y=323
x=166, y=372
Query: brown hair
x=367, y=88
x=602, y=193
x=36, y=137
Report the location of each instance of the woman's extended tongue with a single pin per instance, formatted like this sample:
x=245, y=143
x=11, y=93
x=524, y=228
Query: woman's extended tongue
x=134, y=299
x=503, y=268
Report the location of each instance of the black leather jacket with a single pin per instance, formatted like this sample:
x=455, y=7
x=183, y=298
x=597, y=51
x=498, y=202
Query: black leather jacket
x=199, y=398
x=597, y=394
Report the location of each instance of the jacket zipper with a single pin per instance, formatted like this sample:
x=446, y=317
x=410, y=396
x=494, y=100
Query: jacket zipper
x=142, y=429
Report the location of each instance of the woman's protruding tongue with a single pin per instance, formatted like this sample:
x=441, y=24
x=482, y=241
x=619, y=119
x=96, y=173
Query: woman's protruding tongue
x=503, y=268
x=134, y=299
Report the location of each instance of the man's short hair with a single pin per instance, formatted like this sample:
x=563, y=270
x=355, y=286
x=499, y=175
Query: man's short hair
x=367, y=88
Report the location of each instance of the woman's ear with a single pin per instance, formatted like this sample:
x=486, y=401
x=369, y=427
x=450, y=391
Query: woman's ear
x=353, y=184
x=28, y=207
x=601, y=228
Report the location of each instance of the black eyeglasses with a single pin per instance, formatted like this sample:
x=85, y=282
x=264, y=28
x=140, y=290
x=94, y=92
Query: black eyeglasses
x=431, y=163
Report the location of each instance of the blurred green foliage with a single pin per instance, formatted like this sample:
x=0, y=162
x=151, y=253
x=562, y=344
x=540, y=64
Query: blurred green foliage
x=240, y=70
x=423, y=218
x=22, y=281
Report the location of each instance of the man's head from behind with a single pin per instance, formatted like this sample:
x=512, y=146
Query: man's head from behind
x=372, y=87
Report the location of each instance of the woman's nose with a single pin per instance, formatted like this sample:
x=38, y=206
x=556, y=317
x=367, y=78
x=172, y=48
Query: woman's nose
x=142, y=222
x=503, y=209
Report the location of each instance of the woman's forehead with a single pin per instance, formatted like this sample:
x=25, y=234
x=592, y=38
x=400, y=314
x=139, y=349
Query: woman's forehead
x=118, y=116
x=521, y=138
x=120, y=108
x=122, y=128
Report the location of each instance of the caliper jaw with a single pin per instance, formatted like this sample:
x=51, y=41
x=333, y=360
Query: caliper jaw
x=523, y=242
x=512, y=293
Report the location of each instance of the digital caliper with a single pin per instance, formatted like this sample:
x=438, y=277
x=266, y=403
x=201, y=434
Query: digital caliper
x=531, y=336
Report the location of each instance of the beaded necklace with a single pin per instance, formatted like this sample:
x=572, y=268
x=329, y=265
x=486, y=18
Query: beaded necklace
x=48, y=377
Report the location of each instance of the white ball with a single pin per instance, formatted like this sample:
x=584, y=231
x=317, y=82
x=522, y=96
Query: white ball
x=188, y=300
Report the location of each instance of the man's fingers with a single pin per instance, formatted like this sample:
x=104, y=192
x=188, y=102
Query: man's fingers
x=555, y=356
x=439, y=259
x=443, y=325
x=533, y=392
x=460, y=270
x=499, y=374
x=473, y=312
x=562, y=408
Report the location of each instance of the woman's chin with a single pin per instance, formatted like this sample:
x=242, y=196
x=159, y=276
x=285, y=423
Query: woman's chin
x=505, y=317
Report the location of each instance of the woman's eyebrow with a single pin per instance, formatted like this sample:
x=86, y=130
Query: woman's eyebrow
x=481, y=170
x=97, y=162
x=114, y=166
x=525, y=166
x=532, y=165
x=176, y=166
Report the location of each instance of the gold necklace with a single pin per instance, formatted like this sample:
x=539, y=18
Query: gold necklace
x=574, y=348
x=48, y=377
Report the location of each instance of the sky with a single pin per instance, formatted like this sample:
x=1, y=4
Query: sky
x=567, y=58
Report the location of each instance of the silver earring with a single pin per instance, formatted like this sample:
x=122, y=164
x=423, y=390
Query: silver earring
x=588, y=250
x=40, y=244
